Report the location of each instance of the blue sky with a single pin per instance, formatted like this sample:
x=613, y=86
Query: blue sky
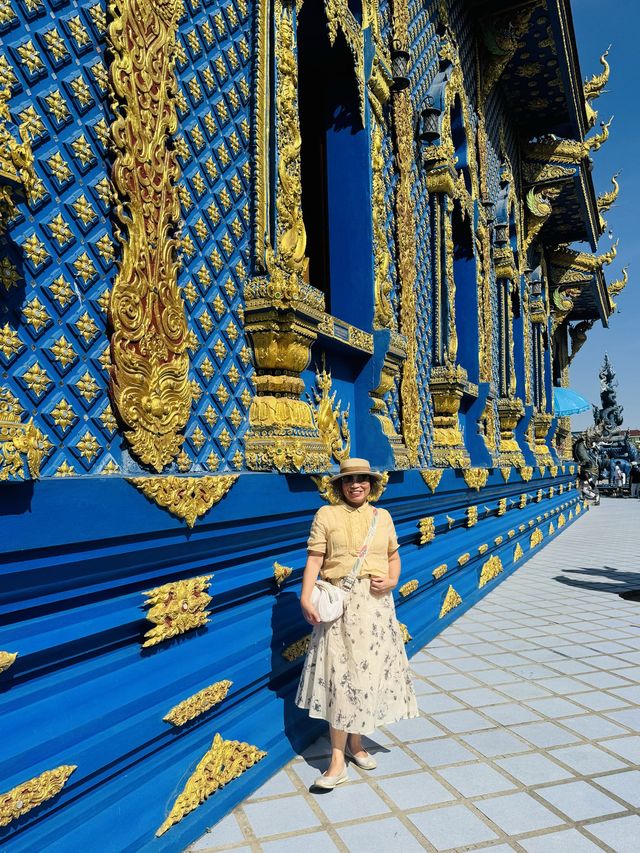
x=597, y=25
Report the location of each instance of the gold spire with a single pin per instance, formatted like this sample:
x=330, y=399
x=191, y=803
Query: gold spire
x=594, y=86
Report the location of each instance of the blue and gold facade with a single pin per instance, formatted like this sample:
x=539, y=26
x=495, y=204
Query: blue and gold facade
x=239, y=242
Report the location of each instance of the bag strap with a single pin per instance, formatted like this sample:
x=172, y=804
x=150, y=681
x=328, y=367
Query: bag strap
x=350, y=579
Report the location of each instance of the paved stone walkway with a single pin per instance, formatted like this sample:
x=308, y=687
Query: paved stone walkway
x=528, y=738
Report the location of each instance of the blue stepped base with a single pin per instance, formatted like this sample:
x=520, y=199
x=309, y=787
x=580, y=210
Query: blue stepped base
x=83, y=691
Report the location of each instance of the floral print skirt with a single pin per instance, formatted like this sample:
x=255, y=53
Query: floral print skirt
x=356, y=674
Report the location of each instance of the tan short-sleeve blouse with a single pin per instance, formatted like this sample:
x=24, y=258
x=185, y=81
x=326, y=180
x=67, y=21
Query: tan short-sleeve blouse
x=339, y=531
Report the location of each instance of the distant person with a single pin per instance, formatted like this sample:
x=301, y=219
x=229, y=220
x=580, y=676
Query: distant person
x=618, y=479
x=634, y=480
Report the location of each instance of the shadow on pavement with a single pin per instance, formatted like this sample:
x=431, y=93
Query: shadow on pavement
x=604, y=579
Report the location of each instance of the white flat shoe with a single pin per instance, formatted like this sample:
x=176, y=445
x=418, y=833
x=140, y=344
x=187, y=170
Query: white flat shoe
x=368, y=763
x=329, y=782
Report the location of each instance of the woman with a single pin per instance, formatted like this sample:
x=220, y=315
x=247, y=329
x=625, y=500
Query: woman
x=356, y=674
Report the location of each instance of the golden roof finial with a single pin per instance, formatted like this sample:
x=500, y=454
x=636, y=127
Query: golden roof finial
x=619, y=285
x=594, y=142
x=607, y=257
x=605, y=200
x=594, y=86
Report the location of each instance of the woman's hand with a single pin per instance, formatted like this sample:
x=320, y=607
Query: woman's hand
x=381, y=585
x=310, y=613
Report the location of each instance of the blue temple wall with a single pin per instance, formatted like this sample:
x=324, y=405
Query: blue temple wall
x=81, y=546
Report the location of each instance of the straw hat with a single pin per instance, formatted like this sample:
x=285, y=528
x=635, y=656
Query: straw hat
x=355, y=466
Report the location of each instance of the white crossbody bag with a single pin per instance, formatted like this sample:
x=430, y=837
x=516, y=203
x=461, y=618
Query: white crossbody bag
x=329, y=600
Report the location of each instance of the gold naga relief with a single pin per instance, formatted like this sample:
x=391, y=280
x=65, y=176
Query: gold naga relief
x=177, y=607
x=149, y=386
x=188, y=498
x=198, y=704
x=223, y=762
x=490, y=570
x=29, y=795
x=332, y=423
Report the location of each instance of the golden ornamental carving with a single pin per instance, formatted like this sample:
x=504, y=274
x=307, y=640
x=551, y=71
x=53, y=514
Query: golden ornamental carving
x=333, y=424
x=388, y=378
x=523, y=500
x=617, y=287
x=472, y=516
x=405, y=234
x=427, y=528
x=463, y=559
x=511, y=533
x=552, y=529
x=503, y=35
x=518, y=553
x=188, y=498
x=451, y=600
x=536, y=538
x=490, y=570
x=432, y=478
x=225, y=761
x=499, y=540
x=570, y=515
x=177, y=607
x=482, y=549
x=506, y=473
x=526, y=472
x=298, y=649
x=29, y=795
x=594, y=86
x=539, y=209
x=198, y=704
x=7, y=659
x=578, y=509
x=18, y=440
x=552, y=148
x=605, y=200
x=281, y=573
x=553, y=470
x=17, y=175
x=439, y=571
x=447, y=384
x=340, y=17
x=150, y=386
x=502, y=506
x=404, y=632
x=476, y=478
x=383, y=317
x=408, y=587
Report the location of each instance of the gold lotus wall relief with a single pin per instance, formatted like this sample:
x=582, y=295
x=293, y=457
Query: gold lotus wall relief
x=29, y=795
x=149, y=374
x=177, y=607
x=188, y=498
x=225, y=761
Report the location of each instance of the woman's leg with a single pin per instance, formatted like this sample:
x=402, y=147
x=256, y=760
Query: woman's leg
x=338, y=743
x=356, y=747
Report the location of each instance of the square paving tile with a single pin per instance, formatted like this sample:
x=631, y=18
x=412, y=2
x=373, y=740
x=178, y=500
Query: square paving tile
x=533, y=769
x=443, y=751
x=387, y=834
x=625, y=785
x=434, y=702
x=554, y=707
x=497, y=742
x=350, y=802
x=601, y=701
x=567, y=841
x=629, y=718
x=481, y=697
x=310, y=842
x=278, y=784
x=621, y=834
x=418, y=728
x=415, y=790
x=463, y=721
x=495, y=676
x=453, y=682
x=603, y=680
x=587, y=759
x=627, y=747
x=524, y=690
x=396, y=760
x=545, y=734
x=511, y=714
x=428, y=669
x=580, y=800
x=265, y=820
x=516, y=813
x=452, y=827
x=476, y=780
x=593, y=727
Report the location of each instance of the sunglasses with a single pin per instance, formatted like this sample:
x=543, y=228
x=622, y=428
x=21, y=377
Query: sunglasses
x=355, y=478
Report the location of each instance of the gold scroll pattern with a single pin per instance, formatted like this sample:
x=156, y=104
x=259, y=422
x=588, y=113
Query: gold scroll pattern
x=177, y=607
x=476, y=478
x=406, y=242
x=150, y=363
x=198, y=704
x=225, y=761
x=408, y=587
x=188, y=498
x=29, y=795
x=383, y=314
x=18, y=439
